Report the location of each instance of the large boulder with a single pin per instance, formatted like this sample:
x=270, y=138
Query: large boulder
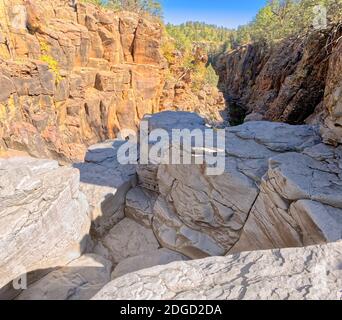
x=43, y=216
x=310, y=273
x=300, y=202
x=168, y=121
x=201, y=215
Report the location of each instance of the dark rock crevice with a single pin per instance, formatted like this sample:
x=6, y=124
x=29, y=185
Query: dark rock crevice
x=283, y=82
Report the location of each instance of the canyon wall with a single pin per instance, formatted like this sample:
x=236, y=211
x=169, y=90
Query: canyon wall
x=294, y=81
x=71, y=76
x=332, y=127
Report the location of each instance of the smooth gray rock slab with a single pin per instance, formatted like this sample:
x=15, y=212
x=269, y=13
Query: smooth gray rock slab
x=201, y=215
x=278, y=137
x=44, y=219
x=105, y=182
x=169, y=120
x=128, y=239
x=319, y=223
x=310, y=273
x=81, y=279
x=147, y=260
x=172, y=233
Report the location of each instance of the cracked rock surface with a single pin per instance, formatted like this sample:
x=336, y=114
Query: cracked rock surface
x=139, y=205
x=299, y=203
x=43, y=216
x=280, y=188
x=201, y=215
x=148, y=259
x=309, y=273
x=129, y=239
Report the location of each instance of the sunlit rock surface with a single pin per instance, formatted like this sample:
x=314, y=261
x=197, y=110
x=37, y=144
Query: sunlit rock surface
x=44, y=219
x=311, y=273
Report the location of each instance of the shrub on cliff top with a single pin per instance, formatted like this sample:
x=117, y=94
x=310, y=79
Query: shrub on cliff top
x=152, y=7
x=283, y=18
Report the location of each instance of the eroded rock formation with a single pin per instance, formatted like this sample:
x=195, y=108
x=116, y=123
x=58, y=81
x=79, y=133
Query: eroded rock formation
x=293, y=81
x=81, y=279
x=44, y=216
x=311, y=273
x=332, y=128
x=272, y=171
x=72, y=76
x=281, y=188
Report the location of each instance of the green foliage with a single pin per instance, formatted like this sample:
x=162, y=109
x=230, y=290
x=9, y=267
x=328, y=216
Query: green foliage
x=186, y=39
x=210, y=36
x=151, y=7
x=210, y=76
x=53, y=66
x=168, y=48
x=198, y=76
x=284, y=18
x=52, y=63
x=96, y=2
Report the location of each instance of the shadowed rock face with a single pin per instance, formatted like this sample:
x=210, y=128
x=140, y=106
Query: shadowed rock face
x=73, y=76
x=78, y=280
x=332, y=128
x=105, y=182
x=309, y=273
x=289, y=82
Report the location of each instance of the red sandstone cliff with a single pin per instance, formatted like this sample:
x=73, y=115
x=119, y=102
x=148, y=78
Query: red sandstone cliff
x=73, y=76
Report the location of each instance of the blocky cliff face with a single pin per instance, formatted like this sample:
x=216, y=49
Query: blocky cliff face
x=71, y=76
x=293, y=80
x=332, y=127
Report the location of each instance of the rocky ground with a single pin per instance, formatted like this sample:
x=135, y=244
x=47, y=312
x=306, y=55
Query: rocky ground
x=281, y=188
x=268, y=227
x=312, y=273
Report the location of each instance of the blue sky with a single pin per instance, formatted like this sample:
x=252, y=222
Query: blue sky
x=228, y=13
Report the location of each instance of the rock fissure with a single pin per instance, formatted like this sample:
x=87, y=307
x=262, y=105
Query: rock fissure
x=270, y=226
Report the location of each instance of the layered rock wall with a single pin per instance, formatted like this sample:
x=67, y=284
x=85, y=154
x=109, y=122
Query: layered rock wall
x=72, y=76
x=294, y=81
x=332, y=127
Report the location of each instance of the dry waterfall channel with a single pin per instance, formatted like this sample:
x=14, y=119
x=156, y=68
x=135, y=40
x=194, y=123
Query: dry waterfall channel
x=269, y=227
x=76, y=229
